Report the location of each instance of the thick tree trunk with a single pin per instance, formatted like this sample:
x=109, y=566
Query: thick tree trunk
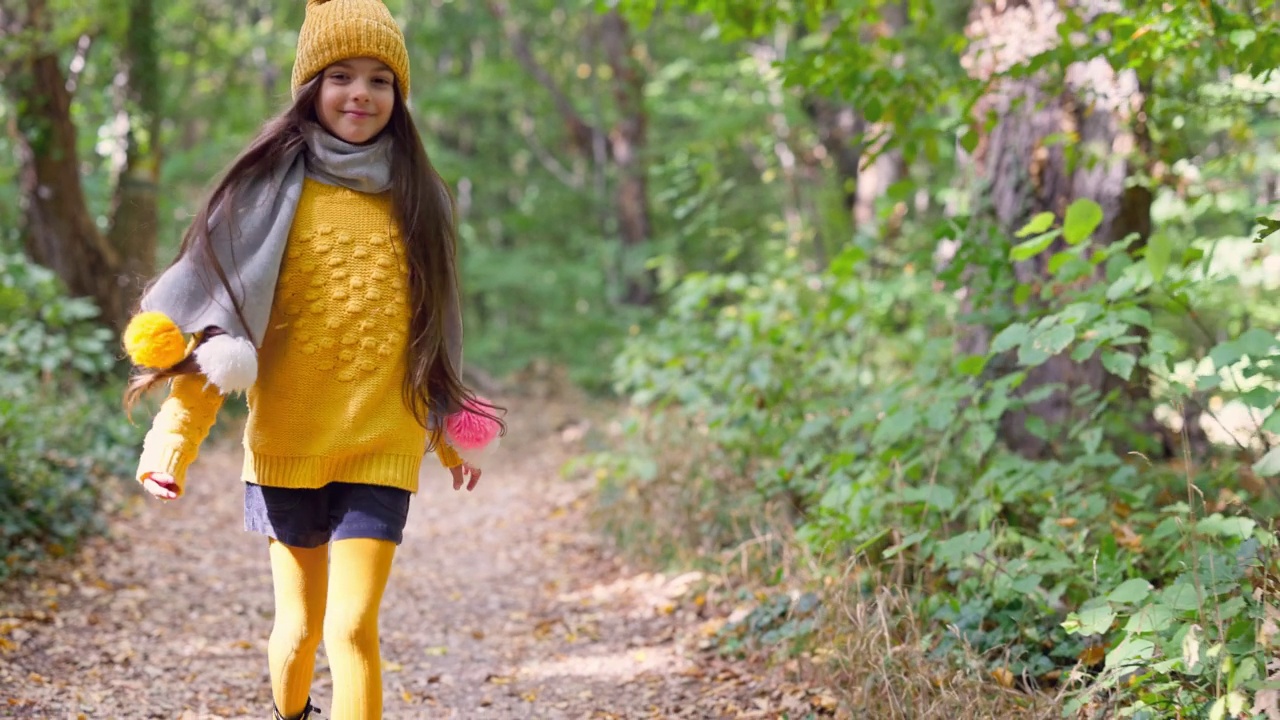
x=1027, y=172
x=60, y=232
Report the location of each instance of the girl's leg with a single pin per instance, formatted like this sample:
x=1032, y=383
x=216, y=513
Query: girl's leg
x=300, y=576
x=360, y=570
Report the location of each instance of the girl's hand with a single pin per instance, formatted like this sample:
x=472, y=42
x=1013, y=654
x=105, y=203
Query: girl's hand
x=161, y=485
x=465, y=469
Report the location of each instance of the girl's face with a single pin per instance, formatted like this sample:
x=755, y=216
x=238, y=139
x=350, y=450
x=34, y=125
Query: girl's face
x=356, y=98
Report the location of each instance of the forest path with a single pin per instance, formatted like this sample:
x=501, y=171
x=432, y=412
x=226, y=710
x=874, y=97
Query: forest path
x=503, y=603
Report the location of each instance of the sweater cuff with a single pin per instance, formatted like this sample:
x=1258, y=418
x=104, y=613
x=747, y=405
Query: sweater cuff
x=161, y=459
x=448, y=456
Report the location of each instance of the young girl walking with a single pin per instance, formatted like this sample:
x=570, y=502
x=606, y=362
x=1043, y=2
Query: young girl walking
x=320, y=277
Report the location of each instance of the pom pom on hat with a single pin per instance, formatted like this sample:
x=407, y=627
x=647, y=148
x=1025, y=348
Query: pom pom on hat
x=473, y=435
x=228, y=362
x=152, y=340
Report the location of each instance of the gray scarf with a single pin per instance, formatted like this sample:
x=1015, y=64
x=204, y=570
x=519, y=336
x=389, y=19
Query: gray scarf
x=190, y=293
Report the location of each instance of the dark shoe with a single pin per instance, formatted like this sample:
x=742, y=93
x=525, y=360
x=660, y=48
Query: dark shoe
x=304, y=715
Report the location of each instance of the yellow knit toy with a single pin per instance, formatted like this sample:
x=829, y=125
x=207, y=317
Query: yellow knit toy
x=154, y=341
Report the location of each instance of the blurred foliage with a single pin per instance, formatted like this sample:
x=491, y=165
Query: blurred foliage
x=63, y=437
x=1135, y=576
x=799, y=370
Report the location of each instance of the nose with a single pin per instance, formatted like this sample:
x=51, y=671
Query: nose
x=360, y=90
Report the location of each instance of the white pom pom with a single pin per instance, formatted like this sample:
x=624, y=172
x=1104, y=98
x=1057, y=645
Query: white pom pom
x=478, y=458
x=230, y=363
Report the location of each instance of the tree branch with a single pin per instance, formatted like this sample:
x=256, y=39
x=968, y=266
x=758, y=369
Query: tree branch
x=548, y=161
x=579, y=129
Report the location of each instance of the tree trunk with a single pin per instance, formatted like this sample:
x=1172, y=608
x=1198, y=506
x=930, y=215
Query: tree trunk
x=135, y=213
x=1027, y=172
x=628, y=141
x=839, y=129
x=60, y=232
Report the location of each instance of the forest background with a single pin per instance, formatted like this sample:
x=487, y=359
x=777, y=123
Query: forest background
x=960, y=315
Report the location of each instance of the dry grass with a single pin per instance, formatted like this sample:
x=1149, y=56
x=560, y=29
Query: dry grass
x=870, y=649
x=879, y=661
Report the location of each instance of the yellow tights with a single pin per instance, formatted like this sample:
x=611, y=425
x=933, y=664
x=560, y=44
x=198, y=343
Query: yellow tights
x=344, y=612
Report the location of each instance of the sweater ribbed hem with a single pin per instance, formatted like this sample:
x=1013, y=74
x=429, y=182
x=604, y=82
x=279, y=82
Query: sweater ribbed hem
x=313, y=471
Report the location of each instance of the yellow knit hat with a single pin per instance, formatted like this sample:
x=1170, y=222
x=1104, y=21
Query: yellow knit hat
x=336, y=30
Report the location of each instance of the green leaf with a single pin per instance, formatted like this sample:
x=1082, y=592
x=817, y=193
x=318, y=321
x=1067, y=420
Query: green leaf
x=1150, y=618
x=1130, y=592
x=1181, y=596
x=1096, y=620
x=1240, y=528
x=1046, y=344
x=1010, y=337
x=1257, y=343
x=1130, y=651
x=1034, y=246
x=1118, y=362
x=896, y=426
x=907, y=542
x=955, y=550
x=969, y=140
x=1159, y=251
x=1242, y=38
x=1122, y=287
x=938, y=496
x=1269, y=228
x=1269, y=464
x=972, y=365
x=1037, y=426
x=1038, y=224
x=1027, y=584
x=1082, y=218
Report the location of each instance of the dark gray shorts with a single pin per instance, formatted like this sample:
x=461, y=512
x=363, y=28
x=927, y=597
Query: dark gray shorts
x=338, y=511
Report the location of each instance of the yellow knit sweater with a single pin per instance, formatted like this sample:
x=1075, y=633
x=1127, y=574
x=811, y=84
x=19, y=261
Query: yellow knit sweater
x=327, y=404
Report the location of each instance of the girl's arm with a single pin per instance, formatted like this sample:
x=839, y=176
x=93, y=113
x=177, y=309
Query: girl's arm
x=448, y=456
x=179, y=428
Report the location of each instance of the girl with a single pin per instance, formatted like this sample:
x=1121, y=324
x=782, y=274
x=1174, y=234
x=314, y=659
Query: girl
x=320, y=276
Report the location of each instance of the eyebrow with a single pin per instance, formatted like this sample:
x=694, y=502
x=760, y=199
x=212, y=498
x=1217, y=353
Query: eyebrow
x=381, y=67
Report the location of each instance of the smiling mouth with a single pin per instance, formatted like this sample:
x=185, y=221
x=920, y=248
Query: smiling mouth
x=358, y=114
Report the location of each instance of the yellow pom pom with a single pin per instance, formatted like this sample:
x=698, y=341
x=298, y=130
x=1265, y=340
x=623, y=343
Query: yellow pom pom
x=154, y=341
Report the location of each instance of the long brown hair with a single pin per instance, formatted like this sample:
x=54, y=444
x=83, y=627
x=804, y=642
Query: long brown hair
x=424, y=209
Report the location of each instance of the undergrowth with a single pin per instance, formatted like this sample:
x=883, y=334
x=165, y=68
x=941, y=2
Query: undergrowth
x=988, y=521
x=63, y=436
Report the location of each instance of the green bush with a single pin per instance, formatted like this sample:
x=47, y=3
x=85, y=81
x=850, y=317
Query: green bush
x=1135, y=576
x=63, y=436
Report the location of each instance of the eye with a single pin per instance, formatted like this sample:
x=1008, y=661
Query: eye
x=382, y=81
x=337, y=75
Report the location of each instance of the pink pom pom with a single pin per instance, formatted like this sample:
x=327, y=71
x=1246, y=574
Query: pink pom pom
x=468, y=429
